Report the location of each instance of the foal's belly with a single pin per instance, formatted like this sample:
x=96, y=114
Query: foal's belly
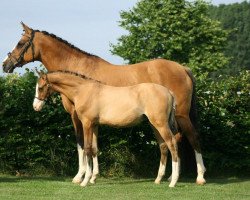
x=121, y=119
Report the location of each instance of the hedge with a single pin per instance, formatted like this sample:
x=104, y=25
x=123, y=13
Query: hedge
x=44, y=142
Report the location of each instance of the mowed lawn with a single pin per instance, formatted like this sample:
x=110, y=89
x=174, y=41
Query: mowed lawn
x=12, y=187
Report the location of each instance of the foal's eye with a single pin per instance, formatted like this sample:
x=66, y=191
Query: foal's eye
x=40, y=89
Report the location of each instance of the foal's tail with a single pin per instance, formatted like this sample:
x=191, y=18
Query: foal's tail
x=172, y=122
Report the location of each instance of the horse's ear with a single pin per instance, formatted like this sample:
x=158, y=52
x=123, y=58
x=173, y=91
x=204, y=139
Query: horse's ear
x=26, y=28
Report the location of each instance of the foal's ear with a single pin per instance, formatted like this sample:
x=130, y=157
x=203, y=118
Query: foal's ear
x=26, y=28
x=40, y=73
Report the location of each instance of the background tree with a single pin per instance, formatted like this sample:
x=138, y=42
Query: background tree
x=176, y=30
x=235, y=18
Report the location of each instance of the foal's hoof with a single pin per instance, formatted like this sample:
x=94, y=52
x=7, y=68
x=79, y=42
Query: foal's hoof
x=76, y=181
x=83, y=184
x=157, y=181
x=92, y=181
x=171, y=185
x=200, y=181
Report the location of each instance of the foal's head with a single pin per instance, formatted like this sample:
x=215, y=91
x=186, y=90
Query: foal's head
x=23, y=52
x=43, y=91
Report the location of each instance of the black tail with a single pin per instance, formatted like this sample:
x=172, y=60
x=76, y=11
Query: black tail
x=193, y=109
x=172, y=122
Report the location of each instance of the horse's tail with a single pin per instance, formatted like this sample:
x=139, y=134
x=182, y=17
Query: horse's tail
x=193, y=109
x=172, y=122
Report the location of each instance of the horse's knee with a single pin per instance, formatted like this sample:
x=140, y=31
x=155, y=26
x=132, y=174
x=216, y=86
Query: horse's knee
x=88, y=151
x=163, y=147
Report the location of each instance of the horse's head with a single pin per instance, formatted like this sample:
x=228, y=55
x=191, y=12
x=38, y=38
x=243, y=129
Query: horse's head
x=43, y=91
x=22, y=53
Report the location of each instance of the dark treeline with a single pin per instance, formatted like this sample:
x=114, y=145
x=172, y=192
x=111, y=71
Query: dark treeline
x=235, y=18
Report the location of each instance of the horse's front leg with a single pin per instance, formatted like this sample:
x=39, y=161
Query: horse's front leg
x=70, y=108
x=88, y=141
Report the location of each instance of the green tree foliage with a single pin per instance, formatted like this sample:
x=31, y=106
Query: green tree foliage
x=235, y=18
x=176, y=30
x=223, y=106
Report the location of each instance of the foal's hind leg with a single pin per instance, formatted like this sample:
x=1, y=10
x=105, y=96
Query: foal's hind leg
x=168, y=139
x=163, y=159
x=190, y=132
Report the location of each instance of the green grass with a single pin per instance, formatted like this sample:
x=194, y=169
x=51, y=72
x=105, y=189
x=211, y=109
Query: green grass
x=12, y=187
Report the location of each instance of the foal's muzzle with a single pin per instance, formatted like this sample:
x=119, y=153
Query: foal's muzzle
x=38, y=104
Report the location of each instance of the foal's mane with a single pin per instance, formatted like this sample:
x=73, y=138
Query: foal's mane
x=66, y=42
x=74, y=74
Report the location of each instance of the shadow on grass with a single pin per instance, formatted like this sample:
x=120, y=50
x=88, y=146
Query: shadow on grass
x=123, y=181
x=217, y=180
x=13, y=179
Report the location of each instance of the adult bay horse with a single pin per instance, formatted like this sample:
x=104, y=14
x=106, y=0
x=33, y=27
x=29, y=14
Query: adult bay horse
x=58, y=54
x=96, y=103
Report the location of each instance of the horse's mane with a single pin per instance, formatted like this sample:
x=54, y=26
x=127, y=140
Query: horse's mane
x=66, y=42
x=75, y=74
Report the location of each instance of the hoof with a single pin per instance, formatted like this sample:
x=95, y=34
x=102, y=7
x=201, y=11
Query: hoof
x=92, y=181
x=171, y=185
x=200, y=181
x=170, y=178
x=77, y=181
x=83, y=184
x=157, y=181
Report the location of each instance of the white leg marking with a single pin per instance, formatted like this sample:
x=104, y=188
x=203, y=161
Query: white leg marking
x=175, y=173
x=95, y=169
x=161, y=173
x=82, y=165
x=200, y=169
x=179, y=170
x=88, y=172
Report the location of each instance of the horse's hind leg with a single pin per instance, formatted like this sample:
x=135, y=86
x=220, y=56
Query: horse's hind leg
x=190, y=132
x=95, y=159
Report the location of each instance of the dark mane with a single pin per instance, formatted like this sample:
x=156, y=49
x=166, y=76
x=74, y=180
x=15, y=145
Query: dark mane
x=75, y=74
x=66, y=42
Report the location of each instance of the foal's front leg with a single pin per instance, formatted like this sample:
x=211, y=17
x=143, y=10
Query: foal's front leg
x=70, y=108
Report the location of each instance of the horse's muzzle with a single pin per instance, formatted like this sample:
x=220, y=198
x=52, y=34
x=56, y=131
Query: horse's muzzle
x=8, y=67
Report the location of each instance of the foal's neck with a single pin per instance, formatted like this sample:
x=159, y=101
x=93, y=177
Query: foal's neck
x=68, y=84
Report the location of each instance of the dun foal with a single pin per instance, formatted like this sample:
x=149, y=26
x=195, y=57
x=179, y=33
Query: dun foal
x=97, y=103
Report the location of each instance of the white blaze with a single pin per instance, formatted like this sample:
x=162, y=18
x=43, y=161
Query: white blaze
x=37, y=104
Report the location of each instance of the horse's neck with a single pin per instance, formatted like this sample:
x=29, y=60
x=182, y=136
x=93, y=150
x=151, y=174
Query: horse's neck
x=56, y=55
